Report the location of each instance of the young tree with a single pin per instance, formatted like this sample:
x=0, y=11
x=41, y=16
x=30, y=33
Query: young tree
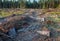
x=34, y=3
x=29, y=4
x=0, y=3
x=22, y=3
x=40, y=4
x=46, y=4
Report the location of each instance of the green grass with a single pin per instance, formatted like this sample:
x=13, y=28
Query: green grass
x=55, y=20
x=58, y=6
x=54, y=13
x=6, y=13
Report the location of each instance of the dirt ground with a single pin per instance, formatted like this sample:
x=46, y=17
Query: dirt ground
x=30, y=32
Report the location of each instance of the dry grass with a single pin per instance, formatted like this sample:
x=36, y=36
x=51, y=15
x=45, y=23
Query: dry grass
x=5, y=13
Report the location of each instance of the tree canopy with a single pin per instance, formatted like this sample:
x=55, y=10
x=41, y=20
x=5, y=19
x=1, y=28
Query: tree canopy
x=29, y=4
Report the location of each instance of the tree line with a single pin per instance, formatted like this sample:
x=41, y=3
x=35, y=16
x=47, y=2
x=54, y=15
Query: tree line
x=29, y=4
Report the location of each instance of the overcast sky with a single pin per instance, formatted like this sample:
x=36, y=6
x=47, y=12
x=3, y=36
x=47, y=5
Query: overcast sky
x=27, y=0
x=32, y=0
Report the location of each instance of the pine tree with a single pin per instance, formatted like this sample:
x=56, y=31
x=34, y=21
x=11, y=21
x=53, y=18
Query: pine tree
x=0, y=3
x=22, y=3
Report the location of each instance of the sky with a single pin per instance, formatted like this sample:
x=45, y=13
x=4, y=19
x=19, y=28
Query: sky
x=27, y=0
x=32, y=0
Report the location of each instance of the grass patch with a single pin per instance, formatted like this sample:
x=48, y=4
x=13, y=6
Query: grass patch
x=55, y=25
x=8, y=13
x=57, y=19
x=54, y=13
